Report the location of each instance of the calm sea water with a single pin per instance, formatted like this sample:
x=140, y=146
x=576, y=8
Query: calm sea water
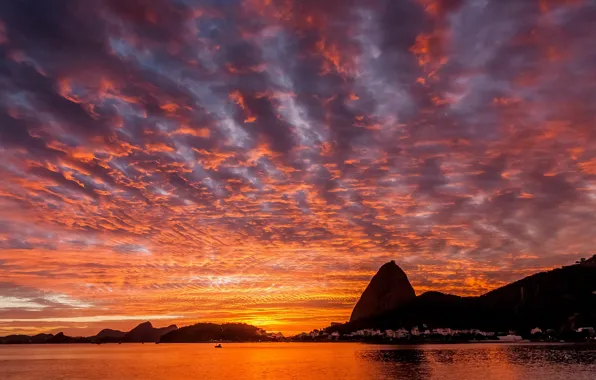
x=282, y=361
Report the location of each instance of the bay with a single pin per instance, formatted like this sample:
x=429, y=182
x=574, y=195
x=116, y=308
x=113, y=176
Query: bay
x=282, y=361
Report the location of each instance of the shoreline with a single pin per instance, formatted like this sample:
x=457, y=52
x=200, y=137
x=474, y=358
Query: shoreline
x=400, y=343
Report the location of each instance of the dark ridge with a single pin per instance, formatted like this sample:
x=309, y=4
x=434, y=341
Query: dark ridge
x=145, y=332
x=561, y=299
x=208, y=332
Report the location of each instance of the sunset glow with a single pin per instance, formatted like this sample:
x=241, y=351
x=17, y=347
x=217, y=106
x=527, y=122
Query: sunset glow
x=256, y=161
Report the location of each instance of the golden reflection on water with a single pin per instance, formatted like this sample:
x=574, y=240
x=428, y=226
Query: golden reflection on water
x=282, y=361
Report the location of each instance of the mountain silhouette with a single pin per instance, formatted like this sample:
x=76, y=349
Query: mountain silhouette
x=108, y=336
x=60, y=338
x=206, y=332
x=562, y=298
x=145, y=332
x=388, y=289
x=109, y=333
x=25, y=339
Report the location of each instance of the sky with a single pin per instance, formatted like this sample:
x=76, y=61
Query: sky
x=192, y=161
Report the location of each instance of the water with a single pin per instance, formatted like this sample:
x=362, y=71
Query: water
x=282, y=361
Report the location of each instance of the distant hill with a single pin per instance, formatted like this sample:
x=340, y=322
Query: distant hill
x=109, y=333
x=42, y=339
x=25, y=339
x=60, y=338
x=207, y=332
x=145, y=332
x=109, y=336
x=387, y=290
x=561, y=299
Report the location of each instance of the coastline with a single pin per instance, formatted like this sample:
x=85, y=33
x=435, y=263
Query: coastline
x=371, y=343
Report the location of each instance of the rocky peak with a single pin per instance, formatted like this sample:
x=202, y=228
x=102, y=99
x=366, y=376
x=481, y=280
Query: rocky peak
x=109, y=333
x=145, y=332
x=144, y=325
x=387, y=289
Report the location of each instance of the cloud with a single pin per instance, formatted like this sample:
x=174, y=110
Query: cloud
x=97, y=318
x=148, y=150
x=131, y=248
x=17, y=298
x=19, y=303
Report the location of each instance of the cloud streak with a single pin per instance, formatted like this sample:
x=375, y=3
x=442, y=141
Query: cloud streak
x=97, y=318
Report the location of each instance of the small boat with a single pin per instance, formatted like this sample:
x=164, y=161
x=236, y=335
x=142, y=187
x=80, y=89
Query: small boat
x=218, y=346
